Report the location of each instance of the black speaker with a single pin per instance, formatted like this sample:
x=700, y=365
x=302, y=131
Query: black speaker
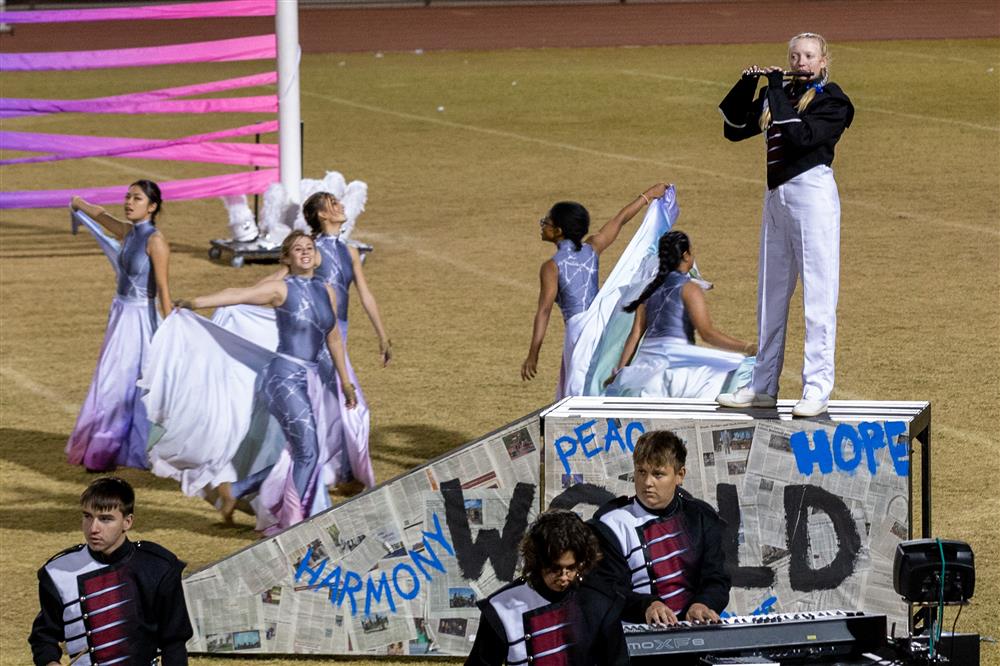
x=917, y=571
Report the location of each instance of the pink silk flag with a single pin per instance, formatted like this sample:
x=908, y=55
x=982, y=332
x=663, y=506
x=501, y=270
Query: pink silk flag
x=258, y=47
x=223, y=9
x=250, y=182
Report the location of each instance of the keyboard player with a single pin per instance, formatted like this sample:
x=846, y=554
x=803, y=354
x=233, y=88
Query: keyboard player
x=662, y=547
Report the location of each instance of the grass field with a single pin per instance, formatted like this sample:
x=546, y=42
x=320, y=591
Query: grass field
x=454, y=199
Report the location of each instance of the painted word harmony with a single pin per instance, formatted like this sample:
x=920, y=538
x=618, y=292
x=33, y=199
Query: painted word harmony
x=405, y=584
x=584, y=441
x=849, y=446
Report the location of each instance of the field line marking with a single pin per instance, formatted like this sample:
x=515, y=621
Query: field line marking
x=917, y=116
x=529, y=139
x=441, y=258
x=910, y=54
x=668, y=77
x=28, y=384
x=914, y=217
x=867, y=109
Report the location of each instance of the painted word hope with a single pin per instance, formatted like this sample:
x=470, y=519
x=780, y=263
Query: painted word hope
x=849, y=445
x=405, y=581
x=567, y=446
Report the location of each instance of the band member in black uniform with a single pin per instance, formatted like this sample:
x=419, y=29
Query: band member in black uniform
x=551, y=616
x=111, y=600
x=662, y=548
x=802, y=120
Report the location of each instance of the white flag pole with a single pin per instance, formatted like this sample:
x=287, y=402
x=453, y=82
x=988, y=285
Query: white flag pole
x=289, y=116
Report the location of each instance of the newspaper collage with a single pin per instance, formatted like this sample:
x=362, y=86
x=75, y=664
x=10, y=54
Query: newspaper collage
x=380, y=573
x=399, y=570
x=756, y=457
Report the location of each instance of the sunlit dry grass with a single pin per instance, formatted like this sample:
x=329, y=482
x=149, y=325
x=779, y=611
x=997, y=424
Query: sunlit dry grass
x=453, y=202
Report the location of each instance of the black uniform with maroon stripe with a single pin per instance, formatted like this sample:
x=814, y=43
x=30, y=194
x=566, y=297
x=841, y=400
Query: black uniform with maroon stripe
x=523, y=625
x=124, y=608
x=672, y=554
x=796, y=141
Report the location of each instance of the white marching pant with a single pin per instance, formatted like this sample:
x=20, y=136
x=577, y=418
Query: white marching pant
x=800, y=235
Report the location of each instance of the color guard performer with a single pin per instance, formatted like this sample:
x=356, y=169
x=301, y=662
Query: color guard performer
x=569, y=278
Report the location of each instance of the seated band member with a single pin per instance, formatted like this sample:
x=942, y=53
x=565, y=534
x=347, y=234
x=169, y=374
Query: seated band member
x=667, y=363
x=112, y=600
x=551, y=616
x=662, y=548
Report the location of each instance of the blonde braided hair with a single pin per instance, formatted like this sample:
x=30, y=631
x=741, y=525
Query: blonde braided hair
x=810, y=93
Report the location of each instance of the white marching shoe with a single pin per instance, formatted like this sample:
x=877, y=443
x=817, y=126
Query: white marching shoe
x=745, y=397
x=806, y=408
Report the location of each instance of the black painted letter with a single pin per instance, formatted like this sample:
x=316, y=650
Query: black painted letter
x=728, y=501
x=500, y=548
x=800, y=503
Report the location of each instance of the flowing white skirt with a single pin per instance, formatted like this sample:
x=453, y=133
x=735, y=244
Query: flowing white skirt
x=210, y=423
x=348, y=435
x=669, y=367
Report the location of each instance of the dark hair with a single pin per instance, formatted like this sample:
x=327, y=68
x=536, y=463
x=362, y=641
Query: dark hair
x=660, y=448
x=311, y=208
x=572, y=219
x=109, y=493
x=671, y=249
x=552, y=534
x=152, y=192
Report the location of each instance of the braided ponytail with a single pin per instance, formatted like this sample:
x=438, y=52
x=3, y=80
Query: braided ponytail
x=670, y=250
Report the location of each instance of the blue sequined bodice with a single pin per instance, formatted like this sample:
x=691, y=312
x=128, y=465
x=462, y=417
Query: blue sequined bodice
x=577, y=277
x=135, y=271
x=336, y=269
x=665, y=312
x=304, y=319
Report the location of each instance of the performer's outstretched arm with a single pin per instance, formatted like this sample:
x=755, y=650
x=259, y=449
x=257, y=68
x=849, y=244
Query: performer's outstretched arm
x=268, y=292
x=607, y=234
x=117, y=227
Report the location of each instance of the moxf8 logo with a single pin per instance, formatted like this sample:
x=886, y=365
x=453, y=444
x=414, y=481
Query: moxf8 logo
x=665, y=644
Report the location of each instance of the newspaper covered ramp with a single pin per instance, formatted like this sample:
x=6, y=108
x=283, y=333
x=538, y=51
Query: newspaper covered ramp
x=814, y=510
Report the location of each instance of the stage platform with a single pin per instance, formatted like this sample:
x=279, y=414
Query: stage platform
x=814, y=511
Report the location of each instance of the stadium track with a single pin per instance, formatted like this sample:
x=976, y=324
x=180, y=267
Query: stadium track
x=354, y=29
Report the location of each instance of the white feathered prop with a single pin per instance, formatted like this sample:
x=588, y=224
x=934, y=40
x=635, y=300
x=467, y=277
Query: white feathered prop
x=279, y=215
